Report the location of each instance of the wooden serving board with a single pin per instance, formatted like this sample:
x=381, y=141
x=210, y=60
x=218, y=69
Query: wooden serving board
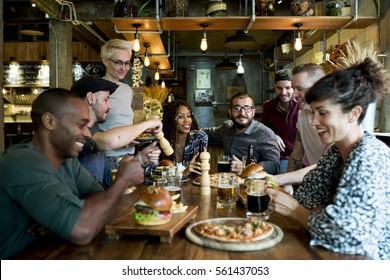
x=126, y=225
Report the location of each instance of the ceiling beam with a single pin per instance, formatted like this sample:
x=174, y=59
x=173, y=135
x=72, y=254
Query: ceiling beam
x=80, y=32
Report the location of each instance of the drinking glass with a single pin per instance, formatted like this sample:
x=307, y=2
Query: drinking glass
x=227, y=191
x=223, y=163
x=170, y=178
x=257, y=199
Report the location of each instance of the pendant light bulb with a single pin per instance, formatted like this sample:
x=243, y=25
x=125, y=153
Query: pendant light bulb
x=157, y=75
x=163, y=84
x=146, y=60
x=240, y=68
x=203, y=42
x=136, y=43
x=298, y=44
x=298, y=40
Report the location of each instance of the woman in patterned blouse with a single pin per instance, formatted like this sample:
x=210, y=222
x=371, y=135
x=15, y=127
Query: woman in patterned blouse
x=345, y=201
x=181, y=130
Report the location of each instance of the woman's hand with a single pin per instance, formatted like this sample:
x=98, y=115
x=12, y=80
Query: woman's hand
x=288, y=206
x=193, y=167
x=236, y=165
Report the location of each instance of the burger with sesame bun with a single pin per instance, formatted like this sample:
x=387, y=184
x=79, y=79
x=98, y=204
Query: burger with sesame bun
x=253, y=171
x=153, y=206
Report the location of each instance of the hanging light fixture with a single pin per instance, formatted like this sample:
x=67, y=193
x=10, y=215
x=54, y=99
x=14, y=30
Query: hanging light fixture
x=240, y=68
x=146, y=57
x=157, y=75
x=226, y=64
x=203, y=42
x=163, y=83
x=240, y=41
x=136, y=44
x=298, y=40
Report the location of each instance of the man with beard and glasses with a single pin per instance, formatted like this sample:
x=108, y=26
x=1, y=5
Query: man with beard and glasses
x=96, y=92
x=242, y=130
x=44, y=187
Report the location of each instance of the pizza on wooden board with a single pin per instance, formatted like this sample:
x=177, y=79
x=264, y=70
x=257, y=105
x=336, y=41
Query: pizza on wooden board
x=231, y=231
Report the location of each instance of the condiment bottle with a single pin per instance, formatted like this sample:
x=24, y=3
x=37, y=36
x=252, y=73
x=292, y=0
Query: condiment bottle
x=250, y=157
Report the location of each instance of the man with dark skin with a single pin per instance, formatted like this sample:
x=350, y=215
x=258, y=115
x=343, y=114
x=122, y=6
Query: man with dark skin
x=50, y=187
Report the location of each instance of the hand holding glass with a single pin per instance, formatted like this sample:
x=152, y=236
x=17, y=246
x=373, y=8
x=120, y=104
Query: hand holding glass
x=257, y=199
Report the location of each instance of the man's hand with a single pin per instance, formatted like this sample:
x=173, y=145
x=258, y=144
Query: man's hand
x=131, y=171
x=155, y=125
x=280, y=143
x=236, y=165
x=151, y=153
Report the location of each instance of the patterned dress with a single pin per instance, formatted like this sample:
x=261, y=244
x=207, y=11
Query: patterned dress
x=355, y=197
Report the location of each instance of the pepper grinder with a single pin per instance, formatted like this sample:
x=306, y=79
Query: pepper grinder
x=205, y=177
x=164, y=144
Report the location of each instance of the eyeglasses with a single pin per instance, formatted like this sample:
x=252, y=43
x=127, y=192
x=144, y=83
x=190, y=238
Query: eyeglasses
x=247, y=109
x=120, y=63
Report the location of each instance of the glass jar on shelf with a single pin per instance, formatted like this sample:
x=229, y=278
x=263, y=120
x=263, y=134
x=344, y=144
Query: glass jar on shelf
x=265, y=7
x=303, y=7
x=216, y=8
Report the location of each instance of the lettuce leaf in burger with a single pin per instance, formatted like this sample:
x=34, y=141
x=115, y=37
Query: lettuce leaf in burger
x=153, y=206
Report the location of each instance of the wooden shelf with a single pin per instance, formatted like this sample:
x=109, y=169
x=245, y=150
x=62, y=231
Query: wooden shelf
x=241, y=23
x=151, y=28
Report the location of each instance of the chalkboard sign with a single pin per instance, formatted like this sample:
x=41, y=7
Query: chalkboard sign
x=39, y=74
x=26, y=74
x=89, y=69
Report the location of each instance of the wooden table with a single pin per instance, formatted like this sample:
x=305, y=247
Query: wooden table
x=295, y=243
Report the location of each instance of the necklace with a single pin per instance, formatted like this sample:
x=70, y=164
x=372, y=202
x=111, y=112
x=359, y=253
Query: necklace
x=179, y=151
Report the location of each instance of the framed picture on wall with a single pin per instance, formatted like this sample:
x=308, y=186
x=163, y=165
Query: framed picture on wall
x=204, y=97
x=203, y=78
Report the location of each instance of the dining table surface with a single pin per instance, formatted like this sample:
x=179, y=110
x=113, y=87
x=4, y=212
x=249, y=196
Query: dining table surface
x=294, y=244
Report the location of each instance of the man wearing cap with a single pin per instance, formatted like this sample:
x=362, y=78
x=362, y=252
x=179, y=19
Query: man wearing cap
x=281, y=114
x=45, y=186
x=96, y=92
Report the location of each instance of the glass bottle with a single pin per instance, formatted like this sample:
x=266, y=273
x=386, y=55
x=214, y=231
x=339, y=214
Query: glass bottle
x=201, y=149
x=250, y=158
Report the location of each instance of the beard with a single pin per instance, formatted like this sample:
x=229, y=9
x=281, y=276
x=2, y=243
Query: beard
x=241, y=125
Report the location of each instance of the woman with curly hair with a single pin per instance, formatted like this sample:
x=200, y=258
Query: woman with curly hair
x=181, y=130
x=344, y=202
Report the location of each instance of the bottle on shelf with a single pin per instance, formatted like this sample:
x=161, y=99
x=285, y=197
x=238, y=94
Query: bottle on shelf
x=250, y=157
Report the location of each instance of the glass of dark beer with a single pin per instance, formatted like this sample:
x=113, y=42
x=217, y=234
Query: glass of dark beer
x=257, y=199
x=223, y=163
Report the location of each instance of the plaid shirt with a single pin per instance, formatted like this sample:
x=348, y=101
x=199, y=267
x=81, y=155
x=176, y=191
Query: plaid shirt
x=193, y=145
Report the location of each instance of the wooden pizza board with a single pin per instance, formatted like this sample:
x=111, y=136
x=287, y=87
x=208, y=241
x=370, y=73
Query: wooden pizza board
x=270, y=241
x=126, y=225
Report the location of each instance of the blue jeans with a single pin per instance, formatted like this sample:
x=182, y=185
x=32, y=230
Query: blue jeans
x=283, y=165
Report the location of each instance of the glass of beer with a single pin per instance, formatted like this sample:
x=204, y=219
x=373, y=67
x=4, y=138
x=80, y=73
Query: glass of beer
x=171, y=179
x=223, y=163
x=113, y=174
x=257, y=199
x=227, y=191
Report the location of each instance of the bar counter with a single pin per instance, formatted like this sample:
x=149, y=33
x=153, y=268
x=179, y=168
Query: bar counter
x=294, y=245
